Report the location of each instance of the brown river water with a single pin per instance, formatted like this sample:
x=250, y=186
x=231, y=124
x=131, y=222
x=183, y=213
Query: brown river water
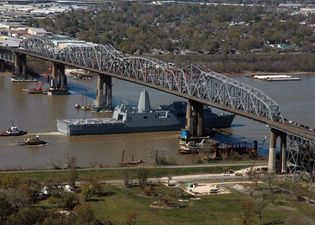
x=38, y=113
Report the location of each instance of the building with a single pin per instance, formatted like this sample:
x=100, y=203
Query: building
x=36, y=31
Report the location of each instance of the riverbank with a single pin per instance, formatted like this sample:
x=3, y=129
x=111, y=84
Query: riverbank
x=251, y=62
x=114, y=173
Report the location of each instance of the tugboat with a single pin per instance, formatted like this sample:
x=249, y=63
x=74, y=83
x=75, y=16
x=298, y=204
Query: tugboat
x=13, y=131
x=33, y=140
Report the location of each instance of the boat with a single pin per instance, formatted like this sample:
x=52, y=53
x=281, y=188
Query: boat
x=125, y=119
x=13, y=131
x=33, y=140
x=277, y=77
x=211, y=120
x=38, y=89
x=82, y=106
x=23, y=79
x=77, y=106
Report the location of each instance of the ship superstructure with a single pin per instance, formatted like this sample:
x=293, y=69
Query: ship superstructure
x=126, y=119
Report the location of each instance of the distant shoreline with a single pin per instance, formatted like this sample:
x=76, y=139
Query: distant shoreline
x=293, y=73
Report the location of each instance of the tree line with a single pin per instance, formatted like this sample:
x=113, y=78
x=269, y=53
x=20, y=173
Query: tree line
x=139, y=28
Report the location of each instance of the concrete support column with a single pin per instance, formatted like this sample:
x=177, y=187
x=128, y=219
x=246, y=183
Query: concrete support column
x=58, y=76
x=100, y=92
x=283, y=153
x=23, y=65
x=199, y=111
x=108, y=92
x=54, y=76
x=16, y=65
x=272, y=151
x=188, y=125
x=62, y=75
x=20, y=65
x=2, y=65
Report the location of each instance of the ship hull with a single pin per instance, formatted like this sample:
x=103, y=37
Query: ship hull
x=70, y=130
x=223, y=121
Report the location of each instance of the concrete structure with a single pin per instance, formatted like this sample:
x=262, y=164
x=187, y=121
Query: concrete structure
x=104, y=92
x=274, y=134
x=58, y=80
x=194, y=118
x=20, y=64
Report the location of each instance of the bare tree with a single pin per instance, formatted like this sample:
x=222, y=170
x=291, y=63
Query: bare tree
x=248, y=213
x=253, y=176
x=142, y=175
x=269, y=178
x=71, y=164
x=261, y=201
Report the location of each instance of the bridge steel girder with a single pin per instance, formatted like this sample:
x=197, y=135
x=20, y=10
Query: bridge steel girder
x=193, y=82
x=7, y=56
x=300, y=158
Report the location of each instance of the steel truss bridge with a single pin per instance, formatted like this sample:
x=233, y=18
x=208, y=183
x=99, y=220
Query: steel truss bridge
x=193, y=82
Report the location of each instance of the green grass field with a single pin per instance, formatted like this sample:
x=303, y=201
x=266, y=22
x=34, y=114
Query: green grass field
x=216, y=209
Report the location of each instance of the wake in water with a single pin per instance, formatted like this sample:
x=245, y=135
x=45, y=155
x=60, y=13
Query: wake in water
x=55, y=133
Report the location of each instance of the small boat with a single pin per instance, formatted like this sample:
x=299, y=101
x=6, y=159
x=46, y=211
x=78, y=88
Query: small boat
x=33, y=140
x=77, y=106
x=38, y=89
x=13, y=131
x=25, y=78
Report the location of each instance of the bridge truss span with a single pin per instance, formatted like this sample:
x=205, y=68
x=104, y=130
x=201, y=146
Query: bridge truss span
x=192, y=82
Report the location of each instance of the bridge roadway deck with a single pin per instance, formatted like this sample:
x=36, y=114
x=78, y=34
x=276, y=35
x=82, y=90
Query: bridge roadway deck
x=296, y=130
x=281, y=126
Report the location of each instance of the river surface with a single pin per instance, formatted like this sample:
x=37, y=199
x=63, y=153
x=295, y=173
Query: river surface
x=38, y=113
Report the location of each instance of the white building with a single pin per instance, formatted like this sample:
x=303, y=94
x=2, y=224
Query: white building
x=36, y=31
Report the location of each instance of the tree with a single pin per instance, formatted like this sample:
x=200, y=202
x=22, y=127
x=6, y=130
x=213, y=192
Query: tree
x=86, y=193
x=248, y=213
x=142, y=176
x=261, y=201
x=69, y=200
x=73, y=175
x=28, y=216
x=269, y=179
x=85, y=214
x=11, y=201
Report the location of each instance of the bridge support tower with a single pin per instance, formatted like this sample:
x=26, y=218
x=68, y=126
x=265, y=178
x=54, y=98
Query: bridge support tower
x=20, y=65
x=194, y=118
x=58, y=80
x=2, y=65
x=274, y=134
x=104, y=92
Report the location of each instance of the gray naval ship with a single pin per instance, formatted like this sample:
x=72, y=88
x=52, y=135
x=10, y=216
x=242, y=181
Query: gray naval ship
x=211, y=119
x=126, y=119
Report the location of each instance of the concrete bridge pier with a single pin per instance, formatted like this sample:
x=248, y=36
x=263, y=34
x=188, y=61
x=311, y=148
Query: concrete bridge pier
x=283, y=155
x=104, y=92
x=199, y=115
x=188, y=125
x=194, y=118
x=108, y=92
x=2, y=65
x=274, y=134
x=20, y=64
x=58, y=80
x=100, y=92
x=272, y=151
